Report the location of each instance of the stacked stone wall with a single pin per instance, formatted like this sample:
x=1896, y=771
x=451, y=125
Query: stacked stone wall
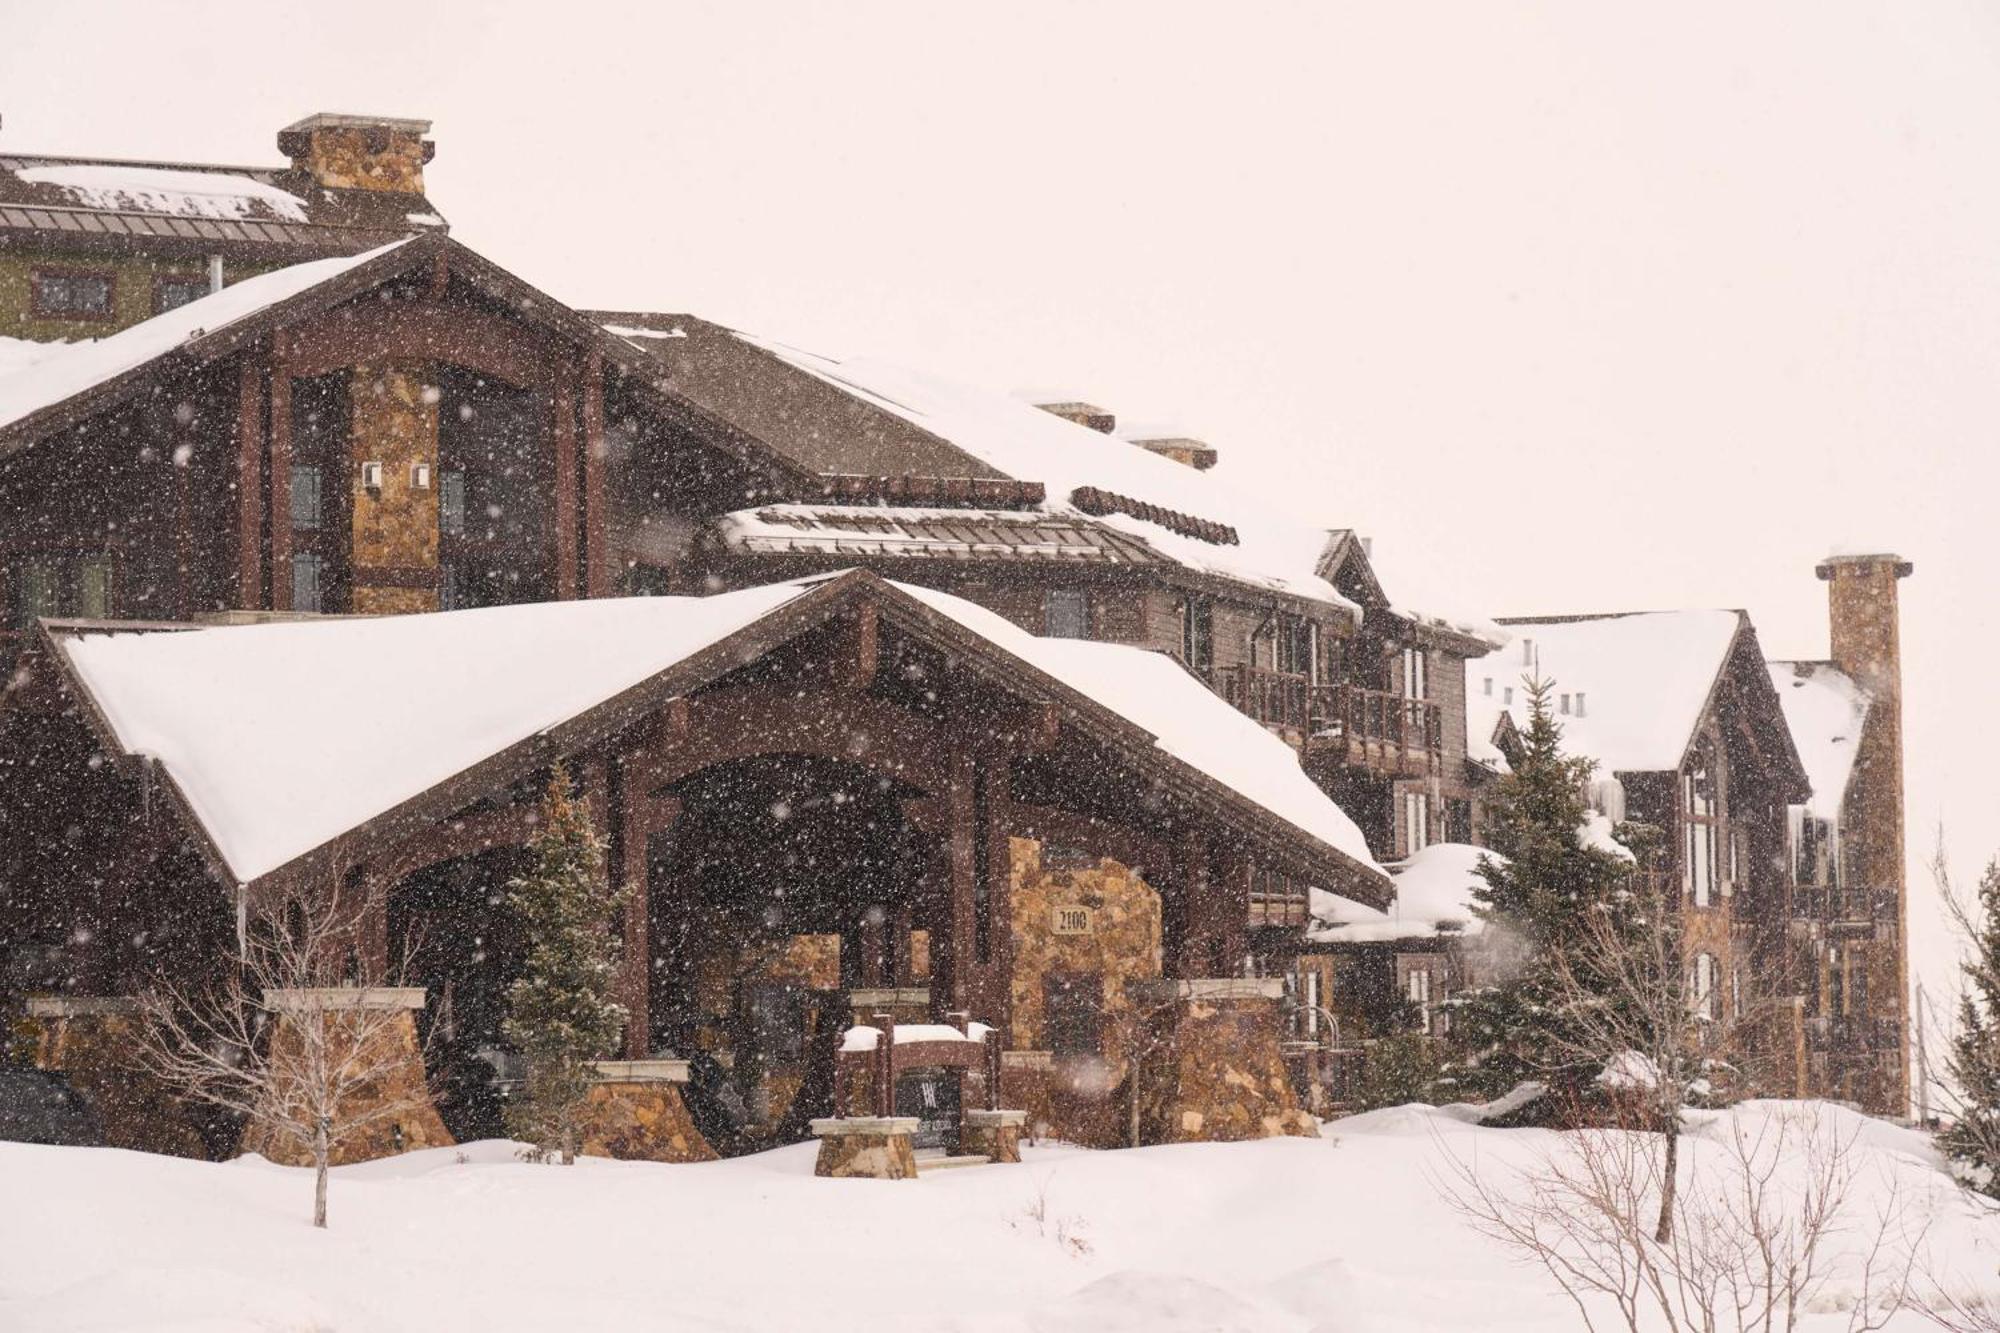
x=642, y=1122
x=395, y=528
x=403, y=1082
x=362, y=159
x=96, y=1050
x=1080, y=1094
x=1216, y=1074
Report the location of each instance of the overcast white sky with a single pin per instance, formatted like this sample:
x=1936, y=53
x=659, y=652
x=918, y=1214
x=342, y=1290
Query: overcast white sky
x=1575, y=307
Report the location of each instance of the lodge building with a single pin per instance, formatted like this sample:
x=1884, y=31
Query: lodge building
x=902, y=708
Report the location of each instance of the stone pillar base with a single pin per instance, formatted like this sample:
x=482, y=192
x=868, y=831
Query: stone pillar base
x=636, y=1114
x=867, y=1146
x=93, y=1040
x=339, y=1010
x=1218, y=1074
x=994, y=1135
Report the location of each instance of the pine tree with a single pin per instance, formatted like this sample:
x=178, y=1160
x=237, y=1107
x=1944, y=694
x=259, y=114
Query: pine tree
x=560, y=1011
x=1535, y=903
x=1973, y=1141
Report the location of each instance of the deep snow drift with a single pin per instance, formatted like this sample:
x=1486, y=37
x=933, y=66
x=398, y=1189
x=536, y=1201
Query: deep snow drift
x=1346, y=1233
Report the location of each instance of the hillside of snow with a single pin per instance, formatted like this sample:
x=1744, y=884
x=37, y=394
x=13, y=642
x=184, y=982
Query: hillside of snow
x=1346, y=1233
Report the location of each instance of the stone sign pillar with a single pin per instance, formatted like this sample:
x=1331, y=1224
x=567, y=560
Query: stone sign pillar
x=391, y=1033
x=636, y=1114
x=1215, y=1071
x=877, y=1147
x=92, y=1040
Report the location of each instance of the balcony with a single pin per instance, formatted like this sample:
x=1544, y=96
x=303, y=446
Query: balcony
x=1847, y=911
x=1374, y=729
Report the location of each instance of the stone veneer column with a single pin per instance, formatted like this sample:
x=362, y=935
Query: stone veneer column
x=1215, y=1072
x=867, y=1146
x=994, y=1135
x=395, y=528
x=636, y=1114
x=416, y=1127
x=93, y=1040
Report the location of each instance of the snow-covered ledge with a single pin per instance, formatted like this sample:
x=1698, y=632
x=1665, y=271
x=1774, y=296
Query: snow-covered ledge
x=833, y=1127
x=995, y=1119
x=80, y=1006
x=320, y=999
x=1213, y=988
x=640, y=1071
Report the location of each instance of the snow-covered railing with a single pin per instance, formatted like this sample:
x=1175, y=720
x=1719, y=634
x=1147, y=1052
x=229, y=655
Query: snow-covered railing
x=888, y=1048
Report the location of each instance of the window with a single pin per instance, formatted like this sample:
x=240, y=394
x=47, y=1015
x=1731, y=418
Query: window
x=1295, y=645
x=1815, y=851
x=1700, y=816
x=1073, y=1013
x=448, y=587
x=1416, y=674
x=1701, y=987
x=1418, y=988
x=59, y=294
x=172, y=293
x=307, y=498
x=1416, y=822
x=35, y=593
x=93, y=587
x=1198, y=633
x=306, y=591
x=61, y=586
x=1066, y=613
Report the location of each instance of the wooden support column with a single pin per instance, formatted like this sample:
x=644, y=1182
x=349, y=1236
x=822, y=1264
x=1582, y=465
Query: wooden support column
x=181, y=452
x=562, y=403
x=280, y=488
x=640, y=817
x=250, y=482
x=958, y=848
x=1191, y=956
x=1232, y=920
x=596, y=558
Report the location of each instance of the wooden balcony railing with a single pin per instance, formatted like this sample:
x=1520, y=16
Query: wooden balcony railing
x=1843, y=906
x=1380, y=722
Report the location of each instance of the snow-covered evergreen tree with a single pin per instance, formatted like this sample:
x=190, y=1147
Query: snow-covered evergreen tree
x=560, y=1011
x=1535, y=904
x=1973, y=1141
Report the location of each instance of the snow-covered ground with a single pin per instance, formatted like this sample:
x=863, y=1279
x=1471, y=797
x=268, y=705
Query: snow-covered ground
x=1346, y=1233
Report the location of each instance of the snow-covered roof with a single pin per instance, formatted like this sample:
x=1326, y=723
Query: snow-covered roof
x=403, y=703
x=132, y=187
x=1643, y=679
x=1434, y=896
x=851, y=531
x=1187, y=719
x=1825, y=709
x=1024, y=442
x=68, y=369
x=1420, y=591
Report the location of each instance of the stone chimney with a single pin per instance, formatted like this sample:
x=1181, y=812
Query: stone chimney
x=1183, y=449
x=1867, y=646
x=1083, y=414
x=359, y=152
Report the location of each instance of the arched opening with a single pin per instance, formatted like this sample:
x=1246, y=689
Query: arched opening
x=788, y=881
x=451, y=932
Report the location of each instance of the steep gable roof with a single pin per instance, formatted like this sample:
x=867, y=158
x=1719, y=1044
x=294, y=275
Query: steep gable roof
x=405, y=706
x=1645, y=679
x=1825, y=710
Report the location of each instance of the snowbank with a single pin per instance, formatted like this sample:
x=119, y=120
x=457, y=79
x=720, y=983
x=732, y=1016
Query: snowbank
x=1279, y=1236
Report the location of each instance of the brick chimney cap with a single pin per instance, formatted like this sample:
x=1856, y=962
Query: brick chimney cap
x=337, y=120
x=1862, y=563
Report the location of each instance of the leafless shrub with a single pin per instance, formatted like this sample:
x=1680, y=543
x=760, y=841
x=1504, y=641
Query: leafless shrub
x=1066, y=1231
x=1765, y=1226
x=279, y=1041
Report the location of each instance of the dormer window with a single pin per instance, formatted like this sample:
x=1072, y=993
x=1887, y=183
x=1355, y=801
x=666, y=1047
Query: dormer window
x=1416, y=674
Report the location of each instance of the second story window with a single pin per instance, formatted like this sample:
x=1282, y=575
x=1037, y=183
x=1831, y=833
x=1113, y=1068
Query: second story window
x=1416, y=822
x=60, y=586
x=1198, y=633
x=67, y=294
x=1416, y=674
x=172, y=293
x=1700, y=817
x=1066, y=613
